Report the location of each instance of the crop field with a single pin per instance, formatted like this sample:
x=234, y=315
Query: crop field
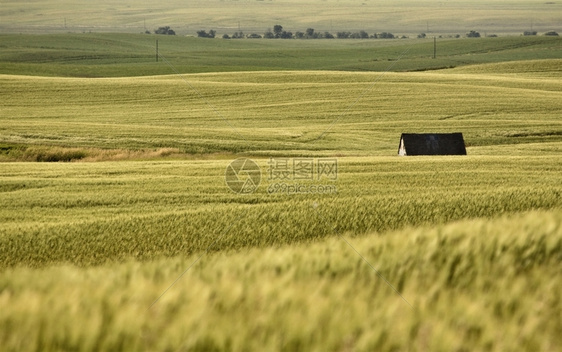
x=227, y=16
x=118, y=229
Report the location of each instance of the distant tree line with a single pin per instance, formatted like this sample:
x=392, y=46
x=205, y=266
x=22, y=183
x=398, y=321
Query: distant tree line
x=278, y=32
x=204, y=34
x=163, y=30
x=548, y=34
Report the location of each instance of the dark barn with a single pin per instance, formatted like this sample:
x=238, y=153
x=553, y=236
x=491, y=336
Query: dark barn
x=431, y=144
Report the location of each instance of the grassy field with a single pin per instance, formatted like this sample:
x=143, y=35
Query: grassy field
x=471, y=285
x=267, y=113
x=125, y=55
x=228, y=16
x=90, y=214
x=118, y=230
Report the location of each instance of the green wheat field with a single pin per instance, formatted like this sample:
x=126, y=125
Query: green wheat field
x=119, y=232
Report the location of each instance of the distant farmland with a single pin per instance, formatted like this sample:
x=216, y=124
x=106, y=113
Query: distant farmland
x=254, y=16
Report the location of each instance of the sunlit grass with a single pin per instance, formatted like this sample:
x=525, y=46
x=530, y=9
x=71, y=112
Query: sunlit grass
x=284, y=112
x=456, y=285
x=93, y=213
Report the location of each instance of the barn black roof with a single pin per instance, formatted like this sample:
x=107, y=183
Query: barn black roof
x=431, y=144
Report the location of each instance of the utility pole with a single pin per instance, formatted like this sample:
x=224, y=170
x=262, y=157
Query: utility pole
x=156, y=50
x=434, y=47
